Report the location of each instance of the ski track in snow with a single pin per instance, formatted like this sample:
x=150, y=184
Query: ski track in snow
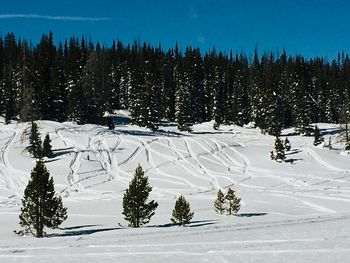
x=318, y=159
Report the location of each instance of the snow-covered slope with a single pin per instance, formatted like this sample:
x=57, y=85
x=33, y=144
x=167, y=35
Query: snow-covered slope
x=297, y=211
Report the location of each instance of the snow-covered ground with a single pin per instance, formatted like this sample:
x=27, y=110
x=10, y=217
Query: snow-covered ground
x=297, y=211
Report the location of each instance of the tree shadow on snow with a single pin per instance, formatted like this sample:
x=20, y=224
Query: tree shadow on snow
x=83, y=232
x=212, y=132
x=76, y=227
x=331, y=131
x=151, y=134
x=60, y=152
x=251, y=214
x=121, y=120
x=191, y=224
x=292, y=160
x=294, y=151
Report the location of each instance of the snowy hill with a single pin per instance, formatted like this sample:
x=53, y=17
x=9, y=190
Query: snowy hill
x=297, y=211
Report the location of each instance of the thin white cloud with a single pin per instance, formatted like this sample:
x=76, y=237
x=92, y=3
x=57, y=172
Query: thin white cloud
x=62, y=18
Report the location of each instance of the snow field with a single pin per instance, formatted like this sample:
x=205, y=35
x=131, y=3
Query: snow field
x=291, y=212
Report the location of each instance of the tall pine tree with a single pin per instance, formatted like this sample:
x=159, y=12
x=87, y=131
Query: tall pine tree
x=136, y=208
x=41, y=207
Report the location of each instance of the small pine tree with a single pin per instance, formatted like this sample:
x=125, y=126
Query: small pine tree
x=347, y=140
x=318, y=139
x=216, y=125
x=35, y=147
x=7, y=116
x=272, y=155
x=330, y=146
x=110, y=123
x=233, y=202
x=182, y=214
x=219, y=203
x=47, y=148
x=40, y=205
x=287, y=144
x=136, y=209
x=279, y=154
x=347, y=146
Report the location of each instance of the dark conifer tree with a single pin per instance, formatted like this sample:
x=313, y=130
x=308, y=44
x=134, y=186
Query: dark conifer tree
x=10, y=77
x=43, y=93
x=136, y=208
x=219, y=203
x=301, y=101
x=318, y=138
x=26, y=83
x=182, y=100
x=278, y=154
x=218, y=92
x=59, y=88
x=47, y=148
x=193, y=69
x=238, y=99
x=35, y=147
x=233, y=202
x=153, y=83
x=41, y=207
x=255, y=82
x=110, y=123
x=75, y=57
x=287, y=144
x=169, y=85
x=138, y=98
x=182, y=214
x=90, y=82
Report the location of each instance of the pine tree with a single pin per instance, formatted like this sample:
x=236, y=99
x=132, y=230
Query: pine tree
x=218, y=92
x=59, y=88
x=138, y=98
x=220, y=203
x=168, y=85
x=347, y=146
x=41, y=207
x=318, y=139
x=347, y=139
x=287, y=144
x=75, y=61
x=278, y=154
x=182, y=100
x=300, y=98
x=182, y=214
x=7, y=114
x=26, y=83
x=269, y=117
x=136, y=209
x=35, y=147
x=153, y=84
x=47, y=148
x=233, y=202
x=10, y=77
x=109, y=122
x=330, y=144
x=92, y=111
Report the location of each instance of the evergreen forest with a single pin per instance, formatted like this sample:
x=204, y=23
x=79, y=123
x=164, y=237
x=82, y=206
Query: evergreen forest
x=78, y=80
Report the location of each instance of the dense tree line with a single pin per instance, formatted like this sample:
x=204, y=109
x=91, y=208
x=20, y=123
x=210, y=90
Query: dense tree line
x=78, y=80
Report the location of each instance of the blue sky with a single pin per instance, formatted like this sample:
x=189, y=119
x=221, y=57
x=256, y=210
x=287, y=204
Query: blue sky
x=309, y=27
